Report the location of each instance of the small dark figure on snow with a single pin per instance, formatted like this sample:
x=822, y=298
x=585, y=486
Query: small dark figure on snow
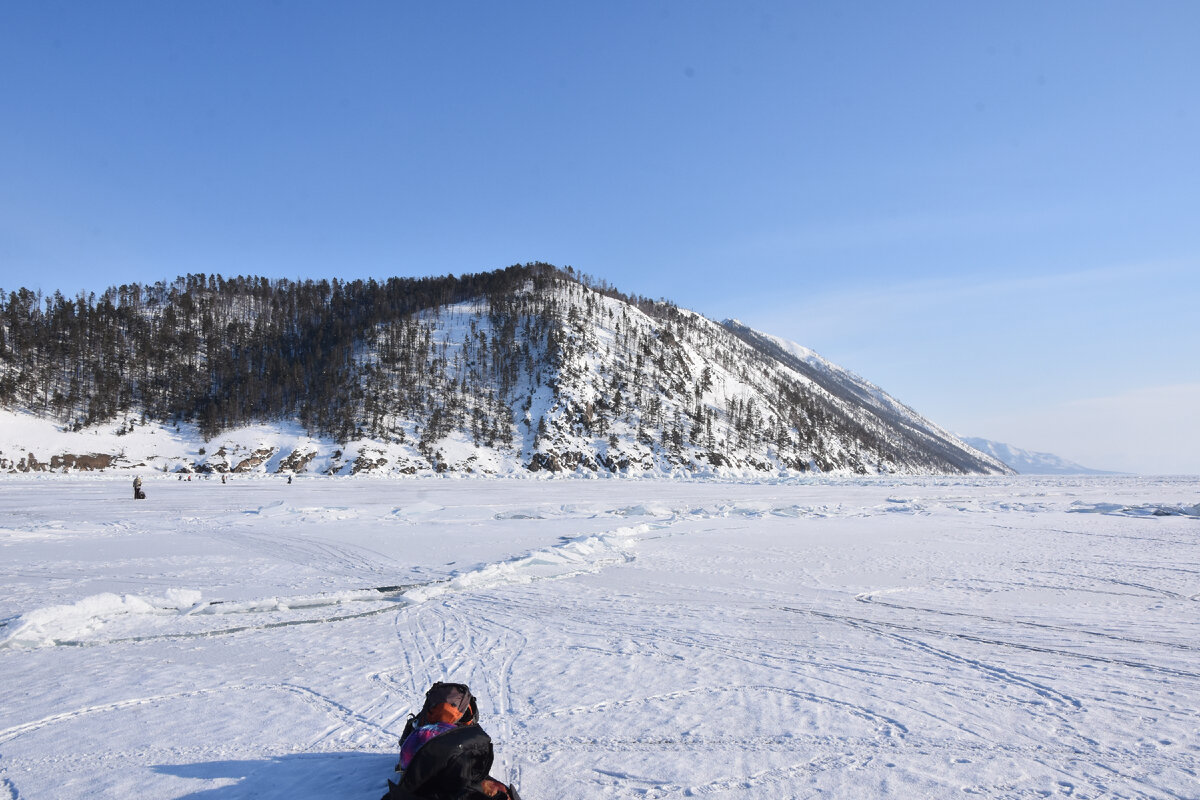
x=138, y=494
x=444, y=754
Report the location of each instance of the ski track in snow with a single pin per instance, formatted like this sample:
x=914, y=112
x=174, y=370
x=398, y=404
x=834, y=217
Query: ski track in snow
x=928, y=637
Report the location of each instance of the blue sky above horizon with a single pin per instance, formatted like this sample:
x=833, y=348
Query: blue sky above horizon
x=988, y=209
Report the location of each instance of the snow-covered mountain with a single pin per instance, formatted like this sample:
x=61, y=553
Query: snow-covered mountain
x=527, y=370
x=855, y=392
x=1028, y=462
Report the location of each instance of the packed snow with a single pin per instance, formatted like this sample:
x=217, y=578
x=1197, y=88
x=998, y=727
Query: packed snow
x=869, y=638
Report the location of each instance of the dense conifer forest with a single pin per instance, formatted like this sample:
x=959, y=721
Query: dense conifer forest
x=224, y=352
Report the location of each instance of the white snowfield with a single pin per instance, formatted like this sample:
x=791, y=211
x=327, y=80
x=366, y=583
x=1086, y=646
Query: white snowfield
x=915, y=638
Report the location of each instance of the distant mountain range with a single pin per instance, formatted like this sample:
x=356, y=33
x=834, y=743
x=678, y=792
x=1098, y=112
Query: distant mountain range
x=1027, y=462
x=530, y=368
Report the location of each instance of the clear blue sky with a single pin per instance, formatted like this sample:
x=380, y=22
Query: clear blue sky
x=992, y=210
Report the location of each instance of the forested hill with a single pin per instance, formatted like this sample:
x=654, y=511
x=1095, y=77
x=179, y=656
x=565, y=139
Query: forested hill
x=531, y=367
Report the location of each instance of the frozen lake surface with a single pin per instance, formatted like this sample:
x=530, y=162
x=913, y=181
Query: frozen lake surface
x=907, y=638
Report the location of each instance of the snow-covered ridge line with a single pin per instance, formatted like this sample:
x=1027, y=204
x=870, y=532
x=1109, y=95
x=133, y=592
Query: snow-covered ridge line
x=1028, y=462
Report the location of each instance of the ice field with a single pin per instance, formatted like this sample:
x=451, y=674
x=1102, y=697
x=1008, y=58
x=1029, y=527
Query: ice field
x=900, y=638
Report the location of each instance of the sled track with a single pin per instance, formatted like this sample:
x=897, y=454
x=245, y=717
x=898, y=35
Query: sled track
x=305, y=694
x=847, y=753
x=1120, y=537
x=307, y=551
x=869, y=599
x=869, y=623
x=887, y=724
x=1146, y=590
x=659, y=790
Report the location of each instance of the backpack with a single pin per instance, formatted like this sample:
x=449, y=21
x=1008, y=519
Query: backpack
x=444, y=702
x=454, y=763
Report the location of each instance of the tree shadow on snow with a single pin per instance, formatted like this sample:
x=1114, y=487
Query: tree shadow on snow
x=301, y=776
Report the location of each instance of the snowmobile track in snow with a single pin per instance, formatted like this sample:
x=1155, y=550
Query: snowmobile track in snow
x=870, y=623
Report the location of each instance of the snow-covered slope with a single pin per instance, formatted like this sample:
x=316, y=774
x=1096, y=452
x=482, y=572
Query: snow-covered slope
x=1029, y=462
x=29, y=443
x=868, y=400
x=547, y=374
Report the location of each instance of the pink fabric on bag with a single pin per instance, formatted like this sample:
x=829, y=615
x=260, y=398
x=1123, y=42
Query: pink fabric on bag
x=419, y=737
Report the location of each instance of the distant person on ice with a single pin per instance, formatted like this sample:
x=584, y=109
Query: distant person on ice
x=444, y=754
x=138, y=494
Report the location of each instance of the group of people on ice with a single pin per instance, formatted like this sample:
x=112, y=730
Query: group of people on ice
x=140, y=494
